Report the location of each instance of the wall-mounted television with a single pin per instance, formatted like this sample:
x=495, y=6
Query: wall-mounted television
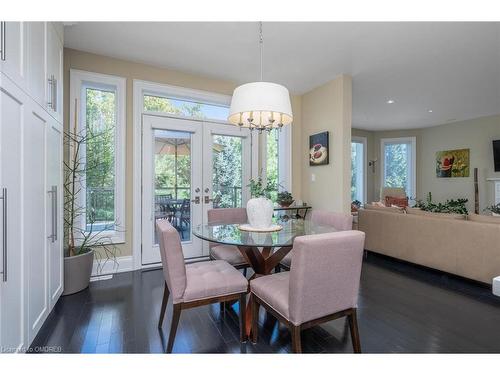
x=496, y=154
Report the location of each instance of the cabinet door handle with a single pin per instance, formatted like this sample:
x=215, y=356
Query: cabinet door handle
x=4, y=234
x=50, y=93
x=53, y=213
x=54, y=95
x=2, y=40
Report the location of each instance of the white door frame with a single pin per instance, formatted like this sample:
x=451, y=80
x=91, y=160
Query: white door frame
x=363, y=140
x=141, y=87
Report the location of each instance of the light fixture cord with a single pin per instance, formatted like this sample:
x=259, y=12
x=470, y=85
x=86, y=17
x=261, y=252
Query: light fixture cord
x=261, y=43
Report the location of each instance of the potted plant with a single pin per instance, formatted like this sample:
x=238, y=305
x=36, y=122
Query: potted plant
x=494, y=209
x=84, y=240
x=260, y=207
x=455, y=206
x=284, y=198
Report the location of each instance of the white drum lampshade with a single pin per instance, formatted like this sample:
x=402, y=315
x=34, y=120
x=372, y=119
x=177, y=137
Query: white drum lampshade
x=260, y=105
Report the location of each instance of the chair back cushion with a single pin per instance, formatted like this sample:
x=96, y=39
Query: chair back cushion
x=226, y=216
x=325, y=274
x=339, y=221
x=396, y=192
x=172, y=259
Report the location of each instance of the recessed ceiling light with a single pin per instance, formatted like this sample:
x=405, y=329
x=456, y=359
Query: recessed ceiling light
x=430, y=111
x=390, y=101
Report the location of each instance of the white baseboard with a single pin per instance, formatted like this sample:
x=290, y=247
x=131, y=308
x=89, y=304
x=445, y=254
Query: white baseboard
x=122, y=264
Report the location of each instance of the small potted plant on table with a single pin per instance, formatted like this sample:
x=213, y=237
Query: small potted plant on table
x=284, y=198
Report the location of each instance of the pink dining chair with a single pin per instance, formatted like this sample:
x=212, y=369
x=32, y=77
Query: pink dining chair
x=229, y=253
x=196, y=284
x=339, y=221
x=322, y=285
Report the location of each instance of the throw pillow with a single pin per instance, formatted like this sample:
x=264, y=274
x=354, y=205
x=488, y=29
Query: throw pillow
x=395, y=201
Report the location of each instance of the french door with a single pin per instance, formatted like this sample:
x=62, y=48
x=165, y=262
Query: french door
x=188, y=167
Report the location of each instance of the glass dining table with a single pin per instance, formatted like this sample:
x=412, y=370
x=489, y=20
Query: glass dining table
x=262, y=250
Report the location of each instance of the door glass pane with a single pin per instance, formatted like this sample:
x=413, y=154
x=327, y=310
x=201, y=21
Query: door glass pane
x=100, y=125
x=186, y=108
x=357, y=171
x=172, y=180
x=272, y=161
x=397, y=166
x=226, y=171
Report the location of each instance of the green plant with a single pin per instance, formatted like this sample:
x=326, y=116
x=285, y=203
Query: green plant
x=494, y=208
x=456, y=206
x=284, y=197
x=257, y=188
x=80, y=232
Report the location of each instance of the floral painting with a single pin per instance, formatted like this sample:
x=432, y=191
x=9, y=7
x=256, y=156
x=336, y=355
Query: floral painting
x=452, y=163
x=318, y=149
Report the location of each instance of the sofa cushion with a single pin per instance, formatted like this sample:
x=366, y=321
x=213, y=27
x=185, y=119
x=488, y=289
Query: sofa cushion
x=418, y=211
x=396, y=201
x=212, y=279
x=484, y=219
x=383, y=208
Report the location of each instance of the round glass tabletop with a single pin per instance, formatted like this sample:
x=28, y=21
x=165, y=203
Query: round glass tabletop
x=229, y=234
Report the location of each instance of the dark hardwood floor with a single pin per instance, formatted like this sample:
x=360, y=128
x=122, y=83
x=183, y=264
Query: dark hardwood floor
x=402, y=309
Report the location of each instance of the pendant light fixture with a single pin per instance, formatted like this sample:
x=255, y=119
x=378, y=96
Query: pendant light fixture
x=260, y=105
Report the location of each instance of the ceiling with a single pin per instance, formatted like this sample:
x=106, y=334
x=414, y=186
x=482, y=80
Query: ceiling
x=452, y=69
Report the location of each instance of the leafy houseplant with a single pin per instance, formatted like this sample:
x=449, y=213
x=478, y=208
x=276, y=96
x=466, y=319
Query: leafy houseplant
x=285, y=198
x=84, y=239
x=456, y=206
x=260, y=208
x=494, y=209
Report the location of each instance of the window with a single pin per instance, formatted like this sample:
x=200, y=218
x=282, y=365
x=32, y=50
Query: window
x=101, y=119
x=277, y=159
x=186, y=108
x=358, y=169
x=399, y=164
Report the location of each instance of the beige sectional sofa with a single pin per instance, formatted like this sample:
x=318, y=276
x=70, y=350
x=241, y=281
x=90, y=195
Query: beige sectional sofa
x=462, y=246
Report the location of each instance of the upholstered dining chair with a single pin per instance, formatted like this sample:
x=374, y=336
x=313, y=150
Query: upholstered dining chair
x=229, y=253
x=322, y=285
x=196, y=284
x=339, y=221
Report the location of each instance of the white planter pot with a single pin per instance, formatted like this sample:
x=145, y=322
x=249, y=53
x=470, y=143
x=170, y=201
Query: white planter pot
x=260, y=212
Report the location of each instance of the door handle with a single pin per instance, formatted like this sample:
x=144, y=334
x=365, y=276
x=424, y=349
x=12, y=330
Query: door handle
x=4, y=234
x=196, y=200
x=208, y=199
x=2, y=40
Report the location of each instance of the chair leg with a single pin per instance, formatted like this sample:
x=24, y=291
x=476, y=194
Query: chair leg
x=166, y=294
x=243, y=308
x=296, y=341
x=277, y=269
x=245, y=271
x=173, y=328
x=353, y=325
x=254, y=333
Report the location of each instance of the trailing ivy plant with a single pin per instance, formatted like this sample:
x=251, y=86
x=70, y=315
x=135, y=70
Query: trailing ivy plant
x=455, y=206
x=494, y=208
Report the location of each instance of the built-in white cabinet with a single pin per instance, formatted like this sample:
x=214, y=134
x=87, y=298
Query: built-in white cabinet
x=13, y=103
x=13, y=44
x=31, y=191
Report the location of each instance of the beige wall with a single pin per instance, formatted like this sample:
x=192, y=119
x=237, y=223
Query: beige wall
x=328, y=108
x=475, y=134
x=74, y=59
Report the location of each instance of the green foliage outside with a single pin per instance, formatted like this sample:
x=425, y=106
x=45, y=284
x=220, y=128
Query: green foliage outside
x=272, y=166
x=227, y=171
x=396, y=165
x=354, y=166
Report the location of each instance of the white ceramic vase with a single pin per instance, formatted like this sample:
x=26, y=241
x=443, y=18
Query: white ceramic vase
x=260, y=212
